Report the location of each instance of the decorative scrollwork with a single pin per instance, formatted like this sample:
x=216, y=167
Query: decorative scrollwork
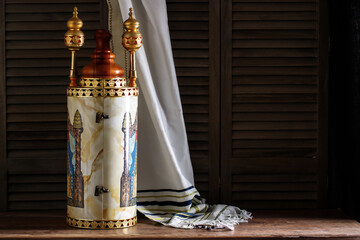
x=102, y=92
x=101, y=224
x=103, y=83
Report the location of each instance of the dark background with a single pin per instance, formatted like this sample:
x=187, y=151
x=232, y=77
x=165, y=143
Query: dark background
x=344, y=102
x=253, y=78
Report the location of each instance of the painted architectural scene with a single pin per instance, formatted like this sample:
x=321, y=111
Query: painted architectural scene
x=75, y=181
x=128, y=178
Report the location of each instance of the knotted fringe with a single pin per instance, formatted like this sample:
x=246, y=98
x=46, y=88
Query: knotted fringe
x=226, y=220
x=191, y=211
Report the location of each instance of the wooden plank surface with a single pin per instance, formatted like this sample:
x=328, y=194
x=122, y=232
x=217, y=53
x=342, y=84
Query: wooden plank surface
x=326, y=224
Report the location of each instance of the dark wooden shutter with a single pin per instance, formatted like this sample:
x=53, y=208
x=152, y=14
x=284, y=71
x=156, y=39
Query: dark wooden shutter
x=260, y=121
x=194, y=30
x=273, y=107
x=37, y=66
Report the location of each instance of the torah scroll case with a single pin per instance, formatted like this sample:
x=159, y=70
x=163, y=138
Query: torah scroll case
x=102, y=134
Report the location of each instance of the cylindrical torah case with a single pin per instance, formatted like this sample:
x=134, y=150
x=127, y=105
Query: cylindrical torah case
x=102, y=144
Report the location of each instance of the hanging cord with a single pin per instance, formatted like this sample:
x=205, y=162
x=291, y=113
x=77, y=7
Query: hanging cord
x=126, y=63
x=112, y=42
x=110, y=23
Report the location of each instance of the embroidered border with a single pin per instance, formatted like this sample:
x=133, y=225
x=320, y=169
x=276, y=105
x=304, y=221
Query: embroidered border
x=101, y=224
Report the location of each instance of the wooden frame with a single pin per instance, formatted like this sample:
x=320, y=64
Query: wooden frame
x=226, y=100
x=3, y=150
x=214, y=100
x=323, y=159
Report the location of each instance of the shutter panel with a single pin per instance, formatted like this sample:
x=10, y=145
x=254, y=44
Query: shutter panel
x=273, y=100
x=37, y=66
x=270, y=105
x=196, y=56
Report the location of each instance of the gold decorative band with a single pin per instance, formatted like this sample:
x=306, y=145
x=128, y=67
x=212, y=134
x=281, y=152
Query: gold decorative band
x=102, y=92
x=103, y=83
x=101, y=224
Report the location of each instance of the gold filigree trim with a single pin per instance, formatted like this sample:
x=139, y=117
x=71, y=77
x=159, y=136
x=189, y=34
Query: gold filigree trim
x=103, y=83
x=101, y=224
x=102, y=92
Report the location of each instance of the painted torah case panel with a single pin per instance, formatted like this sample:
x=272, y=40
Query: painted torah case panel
x=101, y=165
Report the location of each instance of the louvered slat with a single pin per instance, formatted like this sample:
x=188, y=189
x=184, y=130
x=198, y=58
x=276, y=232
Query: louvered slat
x=36, y=77
x=274, y=104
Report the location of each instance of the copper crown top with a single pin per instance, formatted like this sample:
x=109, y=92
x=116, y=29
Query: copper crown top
x=102, y=64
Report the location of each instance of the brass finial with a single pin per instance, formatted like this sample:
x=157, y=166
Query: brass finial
x=75, y=12
x=74, y=39
x=132, y=41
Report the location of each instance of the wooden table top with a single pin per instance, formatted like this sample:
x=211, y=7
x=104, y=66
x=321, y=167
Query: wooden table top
x=305, y=224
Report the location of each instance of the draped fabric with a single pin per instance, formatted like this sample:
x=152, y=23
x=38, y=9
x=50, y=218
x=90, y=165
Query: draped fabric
x=166, y=191
x=344, y=106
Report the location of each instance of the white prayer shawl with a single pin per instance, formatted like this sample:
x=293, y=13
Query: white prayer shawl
x=166, y=192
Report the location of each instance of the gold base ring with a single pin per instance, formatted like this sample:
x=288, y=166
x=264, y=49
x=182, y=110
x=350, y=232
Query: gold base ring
x=101, y=224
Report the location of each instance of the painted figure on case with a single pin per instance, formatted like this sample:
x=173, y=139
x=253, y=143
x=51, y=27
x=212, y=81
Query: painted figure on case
x=75, y=183
x=127, y=182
